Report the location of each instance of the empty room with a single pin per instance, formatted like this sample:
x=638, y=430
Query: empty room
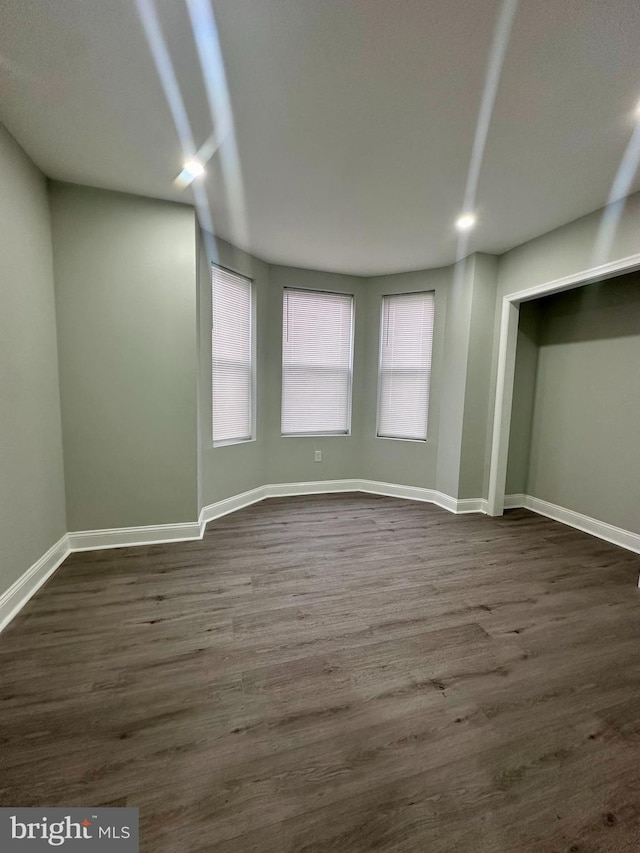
x=320, y=426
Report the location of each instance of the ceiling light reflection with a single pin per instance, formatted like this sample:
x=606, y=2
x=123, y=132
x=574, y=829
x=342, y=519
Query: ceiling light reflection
x=466, y=222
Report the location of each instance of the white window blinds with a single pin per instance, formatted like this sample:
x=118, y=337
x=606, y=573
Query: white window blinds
x=317, y=359
x=405, y=365
x=231, y=349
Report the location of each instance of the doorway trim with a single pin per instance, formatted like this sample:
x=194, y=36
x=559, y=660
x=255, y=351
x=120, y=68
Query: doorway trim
x=509, y=316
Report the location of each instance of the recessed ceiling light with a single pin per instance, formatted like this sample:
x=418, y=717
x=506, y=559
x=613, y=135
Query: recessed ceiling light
x=193, y=169
x=466, y=222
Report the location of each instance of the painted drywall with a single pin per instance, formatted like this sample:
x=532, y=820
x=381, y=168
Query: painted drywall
x=586, y=417
x=271, y=458
x=572, y=248
x=474, y=457
x=291, y=459
x=125, y=280
x=524, y=388
x=463, y=382
x=454, y=376
x=232, y=469
x=388, y=460
x=607, y=235
x=32, y=502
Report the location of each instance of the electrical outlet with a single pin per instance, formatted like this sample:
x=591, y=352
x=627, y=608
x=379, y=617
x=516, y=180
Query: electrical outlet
x=318, y=456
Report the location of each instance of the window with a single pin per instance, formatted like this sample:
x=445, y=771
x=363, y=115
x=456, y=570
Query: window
x=317, y=360
x=231, y=356
x=406, y=341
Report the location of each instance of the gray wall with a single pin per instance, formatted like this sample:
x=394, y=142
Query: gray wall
x=236, y=468
x=271, y=458
x=389, y=460
x=569, y=249
x=475, y=448
x=125, y=273
x=454, y=376
x=524, y=388
x=565, y=251
x=463, y=340
x=455, y=458
x=586, y=418
x=32, y=508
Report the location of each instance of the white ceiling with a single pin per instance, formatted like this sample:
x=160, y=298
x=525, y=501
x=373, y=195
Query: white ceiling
x=355, y=119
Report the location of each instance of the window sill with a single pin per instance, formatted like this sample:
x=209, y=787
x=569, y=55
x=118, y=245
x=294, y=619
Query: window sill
x=397, y=438
x=230, y=442
x=315, y=435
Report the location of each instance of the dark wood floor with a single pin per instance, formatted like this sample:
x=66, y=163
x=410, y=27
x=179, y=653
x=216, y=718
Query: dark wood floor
x=337, y=673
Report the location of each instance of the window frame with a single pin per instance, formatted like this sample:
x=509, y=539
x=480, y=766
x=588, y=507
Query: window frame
x=316, y=434
x=228, y=442
x=422, y=441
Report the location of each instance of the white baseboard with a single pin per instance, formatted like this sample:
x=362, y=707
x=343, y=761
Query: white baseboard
x=224, y=507
x=608, y=532
x=466, y=505
x=372, y=487
x=316, y=487
x=12, y=601
x=272, y=490
x=120, y=537
x=19, y=593
x=15, y=598
x=416, y=493
x=515, y=501
x=392, y=490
